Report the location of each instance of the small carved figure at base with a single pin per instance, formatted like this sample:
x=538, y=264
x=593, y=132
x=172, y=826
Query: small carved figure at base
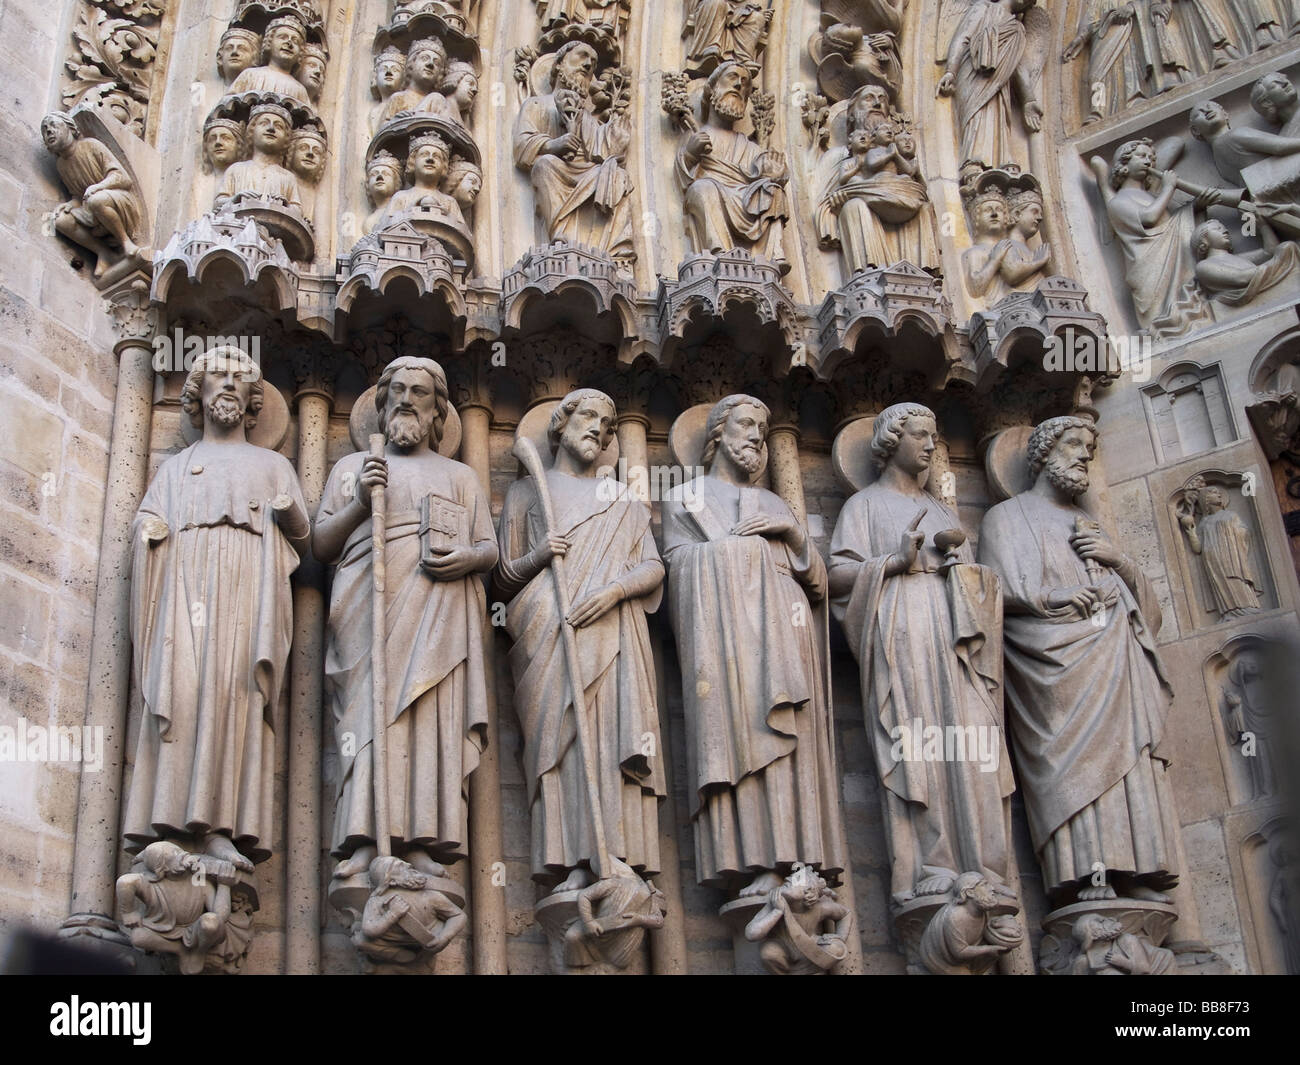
x=176, y=902
x=405, y=914
x=1105, y=949
x=803, y=926
x=962, y=939
x=613, y=915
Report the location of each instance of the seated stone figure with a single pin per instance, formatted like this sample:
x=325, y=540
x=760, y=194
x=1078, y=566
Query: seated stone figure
x=1239, y=278
x=282, y=48
x=262, y=176
x=105, y=204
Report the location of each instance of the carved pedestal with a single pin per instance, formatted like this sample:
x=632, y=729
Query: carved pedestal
x=1108, y=937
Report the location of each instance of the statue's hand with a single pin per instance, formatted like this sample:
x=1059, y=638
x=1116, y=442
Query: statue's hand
x=1208, y=198
x=553, y=546
x=1095, y=546
x=595, y=606
x=1084, y=599
x=154, y=530
x=765, y=525
x=1033, y=116
x=1075, y=48
x=396, y=905
x=908, y=545
x=374, y=474
x=771, y=165
x=566, y=146
x=947, y=85
x=450, y=563
x=699, y=144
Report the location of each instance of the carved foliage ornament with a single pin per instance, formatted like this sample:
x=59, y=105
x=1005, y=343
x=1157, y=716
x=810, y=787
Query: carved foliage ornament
x=115, y=43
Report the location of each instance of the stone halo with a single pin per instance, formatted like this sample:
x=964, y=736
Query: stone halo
x=534, y=424
x=364, y=420
x=272, y=421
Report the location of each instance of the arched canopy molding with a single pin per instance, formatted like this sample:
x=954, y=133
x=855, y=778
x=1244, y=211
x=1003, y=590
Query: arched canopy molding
x=572, y=286
x=195, y=289
x=430, y=297
x=398, y=320
x=900, y=302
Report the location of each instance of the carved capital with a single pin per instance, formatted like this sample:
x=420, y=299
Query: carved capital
x=133, y=315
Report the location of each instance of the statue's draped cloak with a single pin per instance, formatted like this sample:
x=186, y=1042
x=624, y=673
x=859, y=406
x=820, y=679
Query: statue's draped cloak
x=930, y=649
x=610, y=536
x=1089, y=701
x=211, y=625
x=436, y=706
x=753, y=653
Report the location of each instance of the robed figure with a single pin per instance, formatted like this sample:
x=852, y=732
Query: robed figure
x=439, y=539
x=576, y=161
x=216, y=538
x=925, y=623
x=743, y=578
x=1088, y=696
x=614, y=578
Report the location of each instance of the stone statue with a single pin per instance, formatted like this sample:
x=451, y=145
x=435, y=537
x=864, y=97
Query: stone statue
x=176, y=902
x=735, y=188
x=719, y=31
x=217, y=536
x=858, y=45
x=464, y=181
x=963, y=938
x=405, y=914
x=1250, y=721
x=613, y=916
x=459, y=88
x=1105, y=948
x=1222, y=541
x=999, y=260
x=1208, y=29
x=270, y=130
x=1155, y=238
x=608, y=15
x=1236, y=149
x=874, y=200
x=439, y=539
x=1123, y=54
x=743, y=577
x=238, y=50
x=282, y=47
x=105, y=213
x=386, y=79
x=310, y=70
x=426, y=69
x=384, y=175
x=1089, y=697
x=427, y=166
x=993, y=66
x=924, y=622
x=223, y=143
x=306, y=155
x=1275, y=100
x=614, y=576
x=1239, y=278
x=581, y=186
x=803, y=927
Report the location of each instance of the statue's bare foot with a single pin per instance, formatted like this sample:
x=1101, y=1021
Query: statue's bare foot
x=1146, y=894
x=101, y=267
x=420, y=860
x=575, y=881
x=760, y=885
x=1096, y=894
x=939, y=884
x=222, y=847
x=357, y=864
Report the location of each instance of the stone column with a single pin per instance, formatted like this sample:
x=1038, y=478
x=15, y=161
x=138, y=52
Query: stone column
x=94, y=867
x=303, y=836
x=783, y=467
x=632, y=426
x=487, y=890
